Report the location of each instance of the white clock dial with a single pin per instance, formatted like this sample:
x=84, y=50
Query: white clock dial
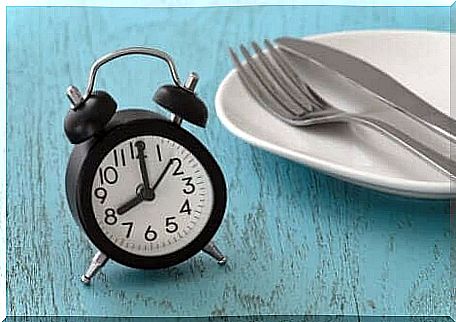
x=156, y=214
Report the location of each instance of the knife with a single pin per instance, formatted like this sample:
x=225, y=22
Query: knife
x=374, y=80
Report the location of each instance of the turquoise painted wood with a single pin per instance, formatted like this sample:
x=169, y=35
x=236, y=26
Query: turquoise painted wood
x=299, y=242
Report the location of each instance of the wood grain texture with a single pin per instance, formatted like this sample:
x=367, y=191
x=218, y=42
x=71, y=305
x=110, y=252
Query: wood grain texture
x=453, y=204
x=299, y=242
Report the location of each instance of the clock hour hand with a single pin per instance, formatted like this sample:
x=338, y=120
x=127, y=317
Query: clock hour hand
x=130, y=204
x=143, y=194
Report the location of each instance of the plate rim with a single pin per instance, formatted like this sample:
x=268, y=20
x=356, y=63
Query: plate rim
x=401, y=186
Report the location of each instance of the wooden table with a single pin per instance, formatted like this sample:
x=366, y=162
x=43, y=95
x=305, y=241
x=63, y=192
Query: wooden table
x=299, y=241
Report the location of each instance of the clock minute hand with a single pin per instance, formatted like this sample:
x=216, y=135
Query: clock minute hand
x=142, y=195
x=140, y=145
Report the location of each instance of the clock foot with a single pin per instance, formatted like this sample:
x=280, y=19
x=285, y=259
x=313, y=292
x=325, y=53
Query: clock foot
x=96, y=264
x=215, y=253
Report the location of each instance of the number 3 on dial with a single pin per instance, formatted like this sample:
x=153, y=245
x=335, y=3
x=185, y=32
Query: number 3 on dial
x=189, y=186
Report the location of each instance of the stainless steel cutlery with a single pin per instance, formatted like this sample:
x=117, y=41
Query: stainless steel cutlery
x=271, y=80
x=375, y=81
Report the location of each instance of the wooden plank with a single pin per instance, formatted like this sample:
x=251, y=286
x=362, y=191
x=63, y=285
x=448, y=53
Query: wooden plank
x=299, y=242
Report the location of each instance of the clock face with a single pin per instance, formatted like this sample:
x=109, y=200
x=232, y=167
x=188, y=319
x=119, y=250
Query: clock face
x=151, y=196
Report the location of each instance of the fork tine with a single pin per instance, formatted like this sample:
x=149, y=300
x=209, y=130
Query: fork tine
x=285, y=66
x=282, y=81
x=249, y=83
x=270, y=84
x=323, y=103
x=258, y=90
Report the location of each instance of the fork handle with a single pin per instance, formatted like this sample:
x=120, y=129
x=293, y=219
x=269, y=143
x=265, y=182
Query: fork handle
x=441, y=162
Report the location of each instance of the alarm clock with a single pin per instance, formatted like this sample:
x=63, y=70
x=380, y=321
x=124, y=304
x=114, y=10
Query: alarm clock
x=146, y=192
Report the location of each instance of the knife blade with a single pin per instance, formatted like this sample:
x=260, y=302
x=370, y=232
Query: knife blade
x=369, y=77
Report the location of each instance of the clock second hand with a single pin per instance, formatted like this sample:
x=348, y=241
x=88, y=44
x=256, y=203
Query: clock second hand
x=142, y=195
x=162, y=175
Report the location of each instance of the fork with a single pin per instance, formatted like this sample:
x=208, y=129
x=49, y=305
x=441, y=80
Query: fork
x=271, y=81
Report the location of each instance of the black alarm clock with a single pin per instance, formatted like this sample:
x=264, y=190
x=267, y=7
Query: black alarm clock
x=146, y=192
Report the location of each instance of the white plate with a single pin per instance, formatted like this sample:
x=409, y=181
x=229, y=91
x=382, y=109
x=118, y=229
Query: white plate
x=420, y=60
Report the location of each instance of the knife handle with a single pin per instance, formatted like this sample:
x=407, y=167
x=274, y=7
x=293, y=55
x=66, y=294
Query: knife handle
x=374, y=80
x=441, y=162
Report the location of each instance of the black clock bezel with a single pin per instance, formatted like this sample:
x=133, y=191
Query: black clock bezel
x=126, y=130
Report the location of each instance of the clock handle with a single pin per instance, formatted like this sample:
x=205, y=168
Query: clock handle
x=215, y=253
x=77, y=98
x=98, y=261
